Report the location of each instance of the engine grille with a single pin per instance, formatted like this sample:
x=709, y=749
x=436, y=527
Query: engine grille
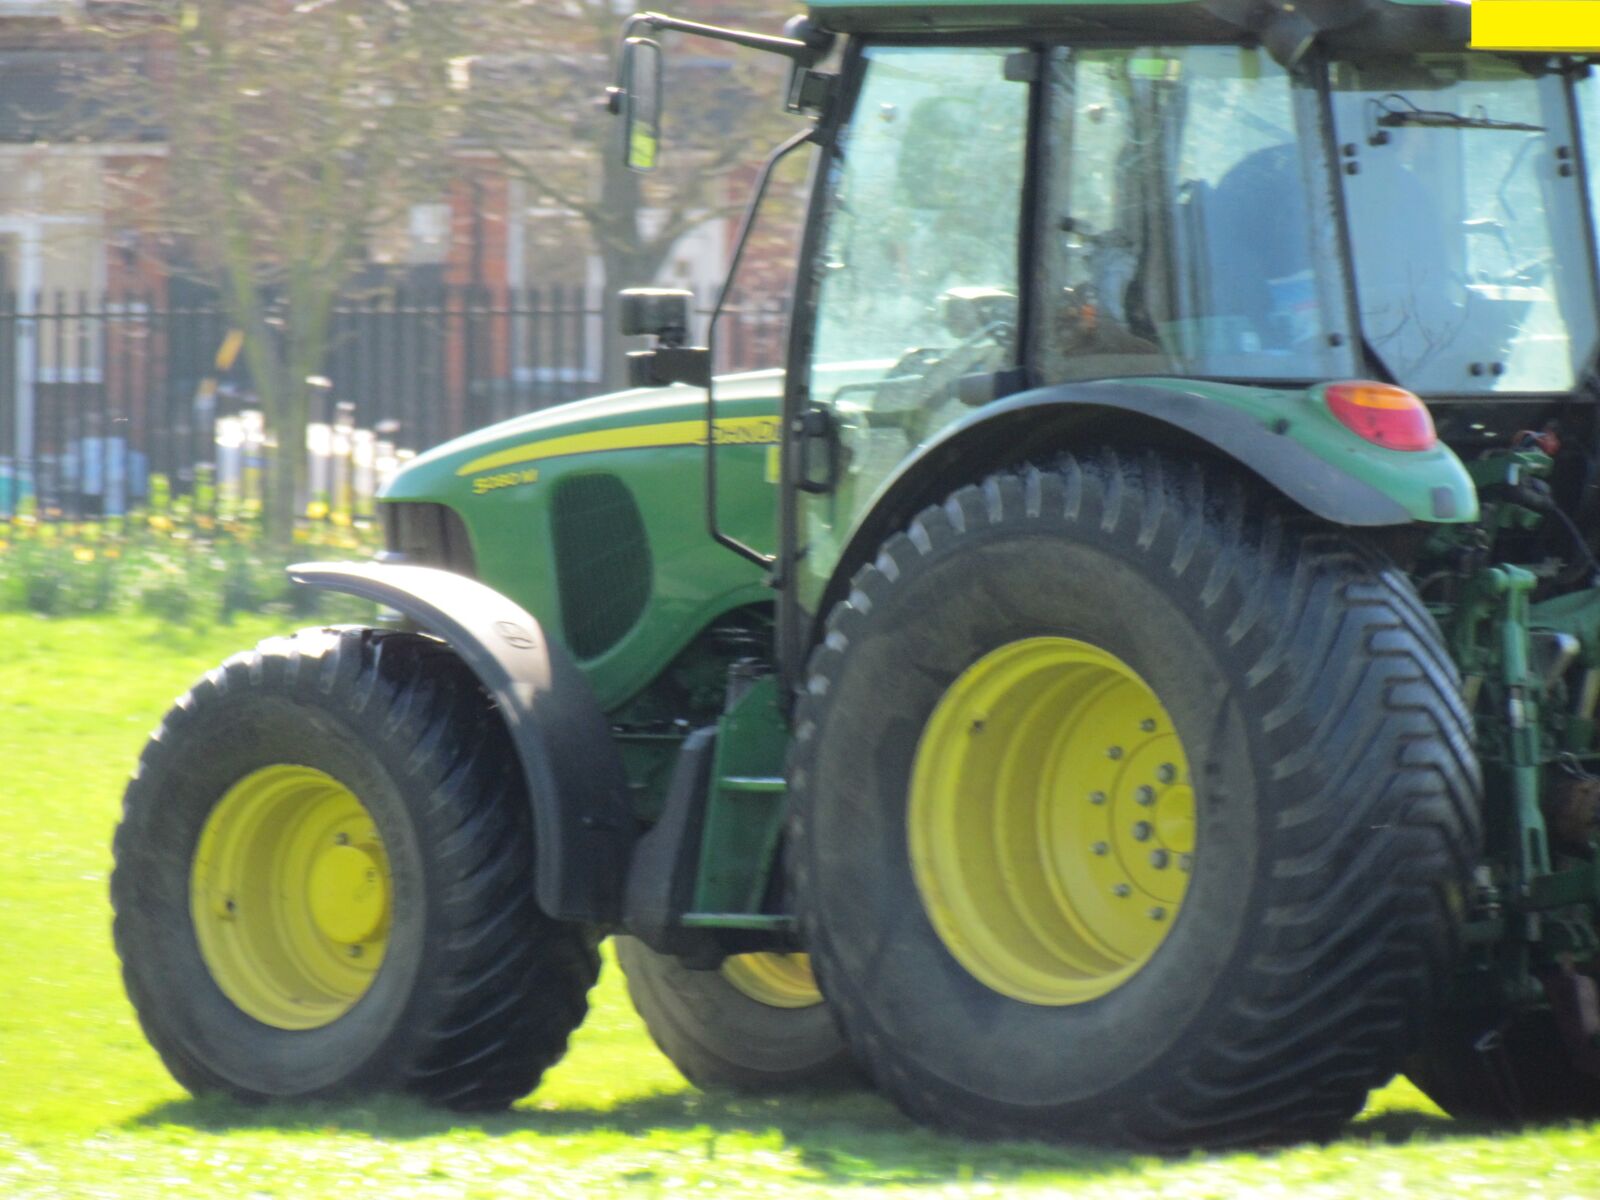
x=603, y=565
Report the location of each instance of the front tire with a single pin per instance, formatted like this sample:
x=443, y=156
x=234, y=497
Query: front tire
x=323, y=883
x=1039, y=705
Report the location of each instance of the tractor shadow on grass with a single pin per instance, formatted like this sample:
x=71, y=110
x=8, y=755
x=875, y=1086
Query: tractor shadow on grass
x=849, y=1138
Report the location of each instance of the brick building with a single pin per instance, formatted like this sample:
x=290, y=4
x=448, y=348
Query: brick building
x=499, y=305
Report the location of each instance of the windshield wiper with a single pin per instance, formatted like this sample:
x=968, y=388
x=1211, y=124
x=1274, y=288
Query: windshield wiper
x=1394, y=110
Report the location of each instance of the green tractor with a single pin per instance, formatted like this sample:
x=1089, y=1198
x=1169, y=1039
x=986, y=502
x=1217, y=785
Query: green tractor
x=1089, y=665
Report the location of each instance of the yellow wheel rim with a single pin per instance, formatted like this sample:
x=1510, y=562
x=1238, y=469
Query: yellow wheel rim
x=290, y=895
x=776, y=980
x=1051, y=821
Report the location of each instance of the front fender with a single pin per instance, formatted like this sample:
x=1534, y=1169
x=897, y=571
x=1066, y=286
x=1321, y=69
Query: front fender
x=583, y=829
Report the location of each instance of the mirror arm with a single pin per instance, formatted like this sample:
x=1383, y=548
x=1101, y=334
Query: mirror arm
x=805, y=53
x=746, y=227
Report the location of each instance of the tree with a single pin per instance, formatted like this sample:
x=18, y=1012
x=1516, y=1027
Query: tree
x=533, y=110
x=294, y=130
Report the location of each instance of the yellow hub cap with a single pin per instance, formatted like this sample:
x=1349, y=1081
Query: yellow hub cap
x=776, y=980
x=1051, y=821
x=290, y=895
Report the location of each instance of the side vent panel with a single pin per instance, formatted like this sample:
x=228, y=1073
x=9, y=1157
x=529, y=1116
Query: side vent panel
x=602, y=561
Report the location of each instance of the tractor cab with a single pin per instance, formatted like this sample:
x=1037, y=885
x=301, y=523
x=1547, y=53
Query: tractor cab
x=1117, y=206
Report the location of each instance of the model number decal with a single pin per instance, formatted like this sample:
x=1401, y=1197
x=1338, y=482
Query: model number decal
x=746, y=431
x=505, y=479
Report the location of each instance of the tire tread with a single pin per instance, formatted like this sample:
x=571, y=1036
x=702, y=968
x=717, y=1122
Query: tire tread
x=1332, y=639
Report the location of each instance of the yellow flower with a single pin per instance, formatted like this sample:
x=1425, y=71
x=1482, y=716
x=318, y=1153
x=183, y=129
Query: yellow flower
x=316, y=510
x=83, y=554
x=160, y=524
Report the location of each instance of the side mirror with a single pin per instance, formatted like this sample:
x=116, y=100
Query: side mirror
x=656, y=312
x=662, y=313
x=641, y=103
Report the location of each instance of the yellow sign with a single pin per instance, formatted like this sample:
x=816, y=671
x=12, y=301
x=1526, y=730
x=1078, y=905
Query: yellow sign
x=1536, y=25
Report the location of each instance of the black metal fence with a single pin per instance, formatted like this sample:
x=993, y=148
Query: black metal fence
x=99, y=395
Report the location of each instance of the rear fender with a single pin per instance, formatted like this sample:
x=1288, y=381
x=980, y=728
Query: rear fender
x=1286, y=437
x=583, y=829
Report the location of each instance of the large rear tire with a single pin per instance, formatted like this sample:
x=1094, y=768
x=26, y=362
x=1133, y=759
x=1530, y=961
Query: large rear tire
x=1133, y=806
x=756, y=1025
x=324, y=886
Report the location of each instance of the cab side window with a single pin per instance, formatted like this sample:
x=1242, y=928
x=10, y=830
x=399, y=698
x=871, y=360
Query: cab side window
x=1178, y=235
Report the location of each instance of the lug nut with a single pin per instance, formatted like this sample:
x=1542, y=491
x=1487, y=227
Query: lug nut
x=1146, y=795
x=1185, y=862
x=1122, y=889
x=1158, y=913
x=354, y=951
x=1166, y=772
x=1148, y=724
x=1158, y=859
x=1114, y=752
x=1100, y=848
x=1097, y=797
x=1142, y=831
x=341, y=839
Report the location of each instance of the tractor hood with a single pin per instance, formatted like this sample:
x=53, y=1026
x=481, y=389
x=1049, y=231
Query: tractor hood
x=512, y=452
x=592, y=517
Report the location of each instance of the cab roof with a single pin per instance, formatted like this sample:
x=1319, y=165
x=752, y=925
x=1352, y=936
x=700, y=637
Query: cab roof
x=1400, y=25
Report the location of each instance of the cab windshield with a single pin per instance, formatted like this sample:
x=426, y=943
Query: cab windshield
x=1466, y=223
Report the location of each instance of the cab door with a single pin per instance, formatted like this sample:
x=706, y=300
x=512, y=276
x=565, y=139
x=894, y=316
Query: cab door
x=918, y=275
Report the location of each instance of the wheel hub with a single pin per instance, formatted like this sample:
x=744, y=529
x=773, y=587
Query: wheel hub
x=776, y=980
x=290, y=894
x=1051, y=821
x=347, y=898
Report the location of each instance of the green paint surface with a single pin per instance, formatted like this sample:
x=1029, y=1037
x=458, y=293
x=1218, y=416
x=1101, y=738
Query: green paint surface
x=745, y=811
x=1409, y=477
x=693, y=582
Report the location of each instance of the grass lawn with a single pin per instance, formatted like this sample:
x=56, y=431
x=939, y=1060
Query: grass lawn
x=87, y=1110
